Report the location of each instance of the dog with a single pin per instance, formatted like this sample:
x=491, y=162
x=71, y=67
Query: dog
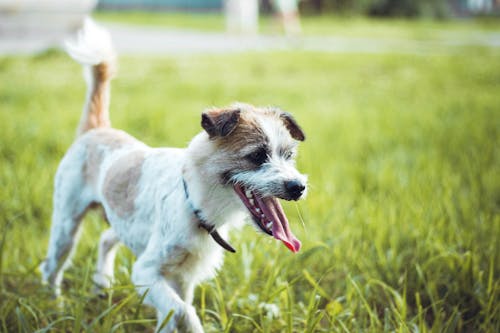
x=172, y=207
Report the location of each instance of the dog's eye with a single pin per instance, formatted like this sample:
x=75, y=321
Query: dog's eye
x=258, y=157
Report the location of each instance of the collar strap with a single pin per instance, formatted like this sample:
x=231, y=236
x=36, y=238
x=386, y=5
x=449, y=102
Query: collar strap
x=202, y=223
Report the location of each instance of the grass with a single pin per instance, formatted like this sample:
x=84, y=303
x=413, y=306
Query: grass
x=400, y=229
x=196, y=21
x=331, y=25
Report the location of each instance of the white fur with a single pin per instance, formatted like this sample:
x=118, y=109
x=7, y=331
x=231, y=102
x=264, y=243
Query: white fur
x=92, y=44
x=173, y=253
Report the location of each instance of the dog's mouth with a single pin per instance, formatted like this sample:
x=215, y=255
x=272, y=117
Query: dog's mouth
x=269, y=216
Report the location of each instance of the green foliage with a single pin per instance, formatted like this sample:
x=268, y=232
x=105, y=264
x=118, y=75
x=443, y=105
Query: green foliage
x=410, y=8
x=394, y=8
x=400, y=228
x=179, y=20
x=331, y=25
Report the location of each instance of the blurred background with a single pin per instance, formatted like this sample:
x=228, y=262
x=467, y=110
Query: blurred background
x=30, y=26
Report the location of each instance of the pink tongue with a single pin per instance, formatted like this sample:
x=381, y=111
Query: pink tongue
x=273, y=210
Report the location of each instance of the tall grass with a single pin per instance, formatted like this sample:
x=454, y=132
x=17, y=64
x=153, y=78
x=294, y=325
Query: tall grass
x=400, y=229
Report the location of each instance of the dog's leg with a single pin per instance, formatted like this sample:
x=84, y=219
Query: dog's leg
x=63, y=236
x=71, y=200
x=188, y=291
x=103, y=276
x=148, y=276
x=164, y=298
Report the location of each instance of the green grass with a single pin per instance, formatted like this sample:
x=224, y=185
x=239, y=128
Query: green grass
x=195, y=21
x=400, y=229
x=316, y=25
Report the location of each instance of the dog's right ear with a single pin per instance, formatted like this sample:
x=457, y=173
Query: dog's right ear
x=220, y=122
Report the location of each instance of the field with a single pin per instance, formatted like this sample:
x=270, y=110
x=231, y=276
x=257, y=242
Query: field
x=400, y=229
x=352, y=26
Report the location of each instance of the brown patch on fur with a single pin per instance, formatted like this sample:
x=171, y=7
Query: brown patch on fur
x=103, y=72
x=92, y=165
x=97, y=143
x=178, y=256
x=247, y=133
x=220, y=122
x=96, y=110
x=122, y=181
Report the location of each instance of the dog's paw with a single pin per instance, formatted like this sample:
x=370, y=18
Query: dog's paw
x=101, y=284
x=191, y=321
x=99, y=291
x=102, y=281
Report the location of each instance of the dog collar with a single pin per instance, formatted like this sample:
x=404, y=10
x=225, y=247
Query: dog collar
x=202, y=223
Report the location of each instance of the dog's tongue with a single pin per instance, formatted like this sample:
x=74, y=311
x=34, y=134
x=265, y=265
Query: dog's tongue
x=281, y=230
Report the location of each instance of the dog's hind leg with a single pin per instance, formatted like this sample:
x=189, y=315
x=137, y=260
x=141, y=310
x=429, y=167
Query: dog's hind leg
x=71, y=200
x=103, y=276
x=63, y=236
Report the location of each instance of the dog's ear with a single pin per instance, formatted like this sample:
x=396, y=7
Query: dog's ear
x=220, y=122
x=292, y=126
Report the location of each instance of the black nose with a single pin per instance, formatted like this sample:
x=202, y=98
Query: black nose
x=294, y=188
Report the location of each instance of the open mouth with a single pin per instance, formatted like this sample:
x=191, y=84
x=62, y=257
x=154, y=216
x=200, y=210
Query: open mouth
x=269, y=216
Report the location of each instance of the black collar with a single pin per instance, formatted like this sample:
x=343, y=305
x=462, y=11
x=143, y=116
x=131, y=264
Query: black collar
x=202, y=223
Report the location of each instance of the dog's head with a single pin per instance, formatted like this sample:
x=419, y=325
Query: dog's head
x=255, y=155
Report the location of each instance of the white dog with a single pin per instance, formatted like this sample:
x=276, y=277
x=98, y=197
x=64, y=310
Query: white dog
x=172, y=207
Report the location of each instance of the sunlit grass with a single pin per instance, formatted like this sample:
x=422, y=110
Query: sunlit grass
x=196, y=21
x=400, y=228
x=331, y=25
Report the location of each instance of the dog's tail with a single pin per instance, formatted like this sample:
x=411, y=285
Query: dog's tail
x=93, y=48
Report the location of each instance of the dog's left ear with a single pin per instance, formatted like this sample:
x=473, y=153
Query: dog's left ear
x=220, y=122
x=292, y=126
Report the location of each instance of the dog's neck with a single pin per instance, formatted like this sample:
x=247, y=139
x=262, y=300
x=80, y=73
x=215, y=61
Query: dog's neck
x=203, y=223
x=218, y=202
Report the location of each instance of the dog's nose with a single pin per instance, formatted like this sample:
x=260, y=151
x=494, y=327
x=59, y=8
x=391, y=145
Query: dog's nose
x=294, y=188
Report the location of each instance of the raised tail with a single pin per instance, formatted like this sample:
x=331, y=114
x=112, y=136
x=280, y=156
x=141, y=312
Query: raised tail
x=93, y=48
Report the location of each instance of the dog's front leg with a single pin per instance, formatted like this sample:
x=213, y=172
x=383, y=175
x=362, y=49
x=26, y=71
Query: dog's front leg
x=148, y=276
x=164, y=298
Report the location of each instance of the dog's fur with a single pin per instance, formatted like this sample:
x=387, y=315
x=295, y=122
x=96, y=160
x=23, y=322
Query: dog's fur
x=150, y=195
